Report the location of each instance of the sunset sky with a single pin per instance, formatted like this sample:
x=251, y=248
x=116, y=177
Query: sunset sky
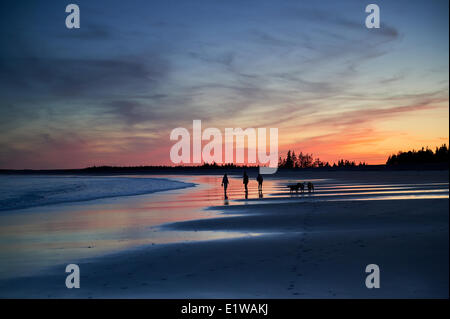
x=110, y=92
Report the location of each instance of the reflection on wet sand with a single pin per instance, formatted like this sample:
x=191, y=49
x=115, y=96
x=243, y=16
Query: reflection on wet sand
x=325, y=189
x=48, y=235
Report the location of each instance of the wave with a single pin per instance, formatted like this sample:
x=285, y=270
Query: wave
x=17, y=192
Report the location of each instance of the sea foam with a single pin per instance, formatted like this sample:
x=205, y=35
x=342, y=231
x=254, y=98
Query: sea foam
x=18, y=191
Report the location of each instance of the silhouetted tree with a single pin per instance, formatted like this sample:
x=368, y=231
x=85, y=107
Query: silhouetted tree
x=423, y=156
x=289, y=163
x=307, y=161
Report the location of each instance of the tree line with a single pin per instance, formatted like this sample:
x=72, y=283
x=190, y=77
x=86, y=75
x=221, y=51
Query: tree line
x=422, y=156
x=307, y=160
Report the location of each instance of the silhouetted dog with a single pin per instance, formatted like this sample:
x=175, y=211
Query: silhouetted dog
x=296, y=187
x=310, y=187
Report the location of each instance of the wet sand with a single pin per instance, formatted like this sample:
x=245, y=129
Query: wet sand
x=288, y=246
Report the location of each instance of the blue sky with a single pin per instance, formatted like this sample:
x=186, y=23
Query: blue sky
x=110, y=92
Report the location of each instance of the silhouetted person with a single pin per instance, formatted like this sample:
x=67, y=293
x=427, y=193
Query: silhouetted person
x=245, y=182
x=310, y=187
x=260, y=182
x=225, y=183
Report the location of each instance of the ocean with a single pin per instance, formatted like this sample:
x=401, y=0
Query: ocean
x=19, y=191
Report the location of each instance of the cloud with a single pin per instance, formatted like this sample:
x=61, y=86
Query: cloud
x=79, y=78
x=333, y=20
x=225, y=58
x=89, y=31
x=345, y=144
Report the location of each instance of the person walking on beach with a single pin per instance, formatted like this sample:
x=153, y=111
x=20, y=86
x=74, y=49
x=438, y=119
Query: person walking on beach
x=245, y=181
x=225, y=183
x=260, y=182
x=310, y=187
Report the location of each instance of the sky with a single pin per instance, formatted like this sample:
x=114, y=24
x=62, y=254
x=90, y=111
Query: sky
x=110, y=92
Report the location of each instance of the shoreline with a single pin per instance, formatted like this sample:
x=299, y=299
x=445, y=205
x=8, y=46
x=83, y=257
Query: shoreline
x=195, y=171
x=100, y=197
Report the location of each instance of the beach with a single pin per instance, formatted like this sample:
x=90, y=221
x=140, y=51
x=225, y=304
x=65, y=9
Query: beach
x=192, y=243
